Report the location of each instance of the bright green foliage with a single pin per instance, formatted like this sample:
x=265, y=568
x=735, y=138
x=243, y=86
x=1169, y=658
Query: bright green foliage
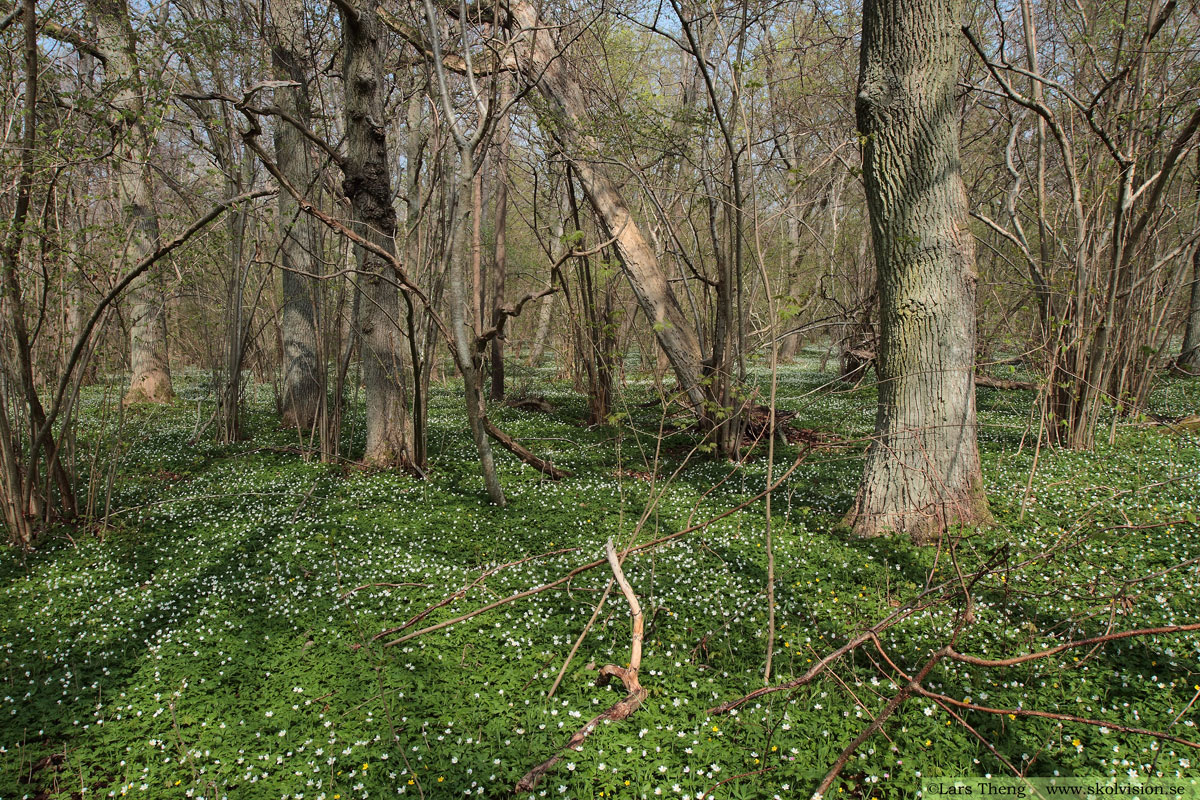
x=211, y=645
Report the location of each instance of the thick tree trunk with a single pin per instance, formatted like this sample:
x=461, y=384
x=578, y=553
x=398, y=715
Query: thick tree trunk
x=368, y=185
x=150, y=380
x=544, y=66
x=302, y=384
x=922, y=472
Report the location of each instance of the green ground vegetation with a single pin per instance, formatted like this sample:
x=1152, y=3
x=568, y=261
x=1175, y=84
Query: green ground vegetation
x=215, y=638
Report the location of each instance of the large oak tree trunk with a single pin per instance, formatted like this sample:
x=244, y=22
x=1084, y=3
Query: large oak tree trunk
x=368, y=185
x=544, y=66
x=302, y=385
x=922, y=472
x=128, y=119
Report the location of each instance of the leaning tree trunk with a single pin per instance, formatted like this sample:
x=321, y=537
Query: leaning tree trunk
x=151, y=377
x=368, y=185
x=922, y=471
x=302, y=374
x=544, y=66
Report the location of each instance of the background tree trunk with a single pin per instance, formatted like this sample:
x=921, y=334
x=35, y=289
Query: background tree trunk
x=150, y=380
x=303, y=390
x=1189, y=354
x=922, y=472
x=500, y=263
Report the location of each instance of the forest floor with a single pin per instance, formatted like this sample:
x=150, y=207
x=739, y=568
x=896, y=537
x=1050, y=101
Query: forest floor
x=216, y=636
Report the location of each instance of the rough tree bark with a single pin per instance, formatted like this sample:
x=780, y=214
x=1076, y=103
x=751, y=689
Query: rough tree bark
x=128, y=122
x=368, y=185
x=542, y=63
x=302, y=385
x=922, y=472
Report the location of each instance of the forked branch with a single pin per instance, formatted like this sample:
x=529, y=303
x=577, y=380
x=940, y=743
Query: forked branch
x=628, y=675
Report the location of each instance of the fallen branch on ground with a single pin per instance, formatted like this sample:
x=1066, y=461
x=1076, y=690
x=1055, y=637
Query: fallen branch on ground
x=517, y=449
x=628, y=675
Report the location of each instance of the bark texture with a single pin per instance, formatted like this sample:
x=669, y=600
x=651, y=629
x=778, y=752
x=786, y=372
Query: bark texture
x=128, y=122
x=302, y=385
x=922, y=472
x=1189, y=354
x=368, y=185
x=543, y=64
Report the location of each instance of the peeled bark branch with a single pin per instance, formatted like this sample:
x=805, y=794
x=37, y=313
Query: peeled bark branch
x=628, y=675
x=592, y=565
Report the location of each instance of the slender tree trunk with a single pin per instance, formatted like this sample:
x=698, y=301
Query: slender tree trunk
x=77, y=308
x=1189, y=354
x=789, y=344
x=303, y=390
x=128, y=120
x=922, y=472
x=542, y=335
x=500, y=263
x=368, y=185
x=465, y=355
x=422, y=351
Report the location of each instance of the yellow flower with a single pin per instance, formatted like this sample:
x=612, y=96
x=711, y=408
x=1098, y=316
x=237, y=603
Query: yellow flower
x=1012, y=716
x=364, y=765
x=715, y=728
x=1075, y=743
x=928, y=742
x=441, y=778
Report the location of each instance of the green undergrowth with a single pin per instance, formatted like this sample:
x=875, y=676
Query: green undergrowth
x=216, y=635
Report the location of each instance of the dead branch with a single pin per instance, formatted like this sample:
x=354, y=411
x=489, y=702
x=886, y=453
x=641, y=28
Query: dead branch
x=1001, y=383
x=628, y=675
x=520, y=451
x=592, y=565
